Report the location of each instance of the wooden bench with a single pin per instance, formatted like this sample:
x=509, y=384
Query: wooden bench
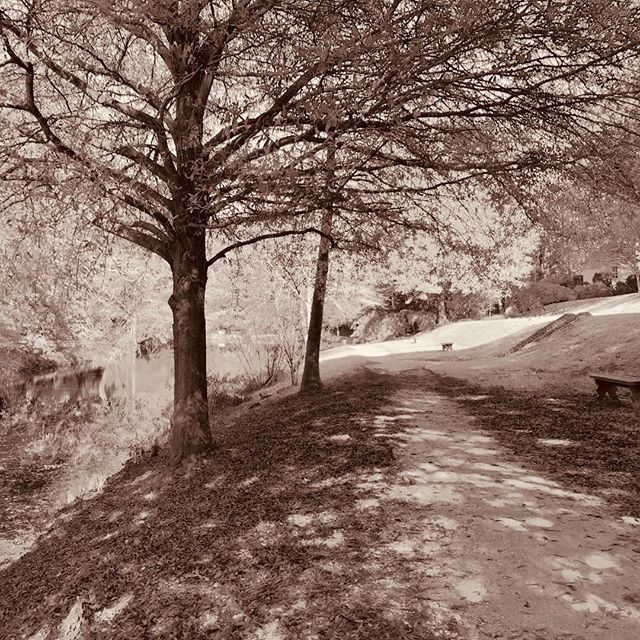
x=608, y=383
x=447, y=346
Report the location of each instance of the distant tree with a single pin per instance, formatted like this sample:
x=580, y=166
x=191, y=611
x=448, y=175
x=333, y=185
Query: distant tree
x=591, y=221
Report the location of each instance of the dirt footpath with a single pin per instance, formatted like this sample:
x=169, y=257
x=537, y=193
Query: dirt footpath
x=511, y=554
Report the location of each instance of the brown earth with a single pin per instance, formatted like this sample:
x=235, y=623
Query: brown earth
x=395, y=504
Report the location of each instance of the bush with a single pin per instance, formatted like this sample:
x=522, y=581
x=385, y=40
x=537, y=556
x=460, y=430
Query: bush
x=261, y=360
x=604, y=278
x=465, y=306
x=380, y=324
x=621, y=289
x=404, y=314
x=564, y=280
x=596, y=290
x=226, y=391
x=632, y=284
x=532, y=297
x=524, y=301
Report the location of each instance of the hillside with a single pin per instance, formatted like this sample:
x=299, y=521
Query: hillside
x=629, y=303
x=562, y=360
x=463, y=335
x=609, y=340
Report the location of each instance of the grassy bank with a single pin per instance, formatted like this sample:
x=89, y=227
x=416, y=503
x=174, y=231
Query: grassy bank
x=267, y=538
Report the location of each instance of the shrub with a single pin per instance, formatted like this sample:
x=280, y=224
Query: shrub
x=596, y=290
x=564, y=280
x=605, y=278
x=379, y=324
x=621, y=288
x=532, y=297
x=464, y=306
x=226, y=391
x=632, y=284
x=261, y=359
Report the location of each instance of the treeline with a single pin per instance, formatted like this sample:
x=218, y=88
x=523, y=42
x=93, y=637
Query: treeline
x=532, y=297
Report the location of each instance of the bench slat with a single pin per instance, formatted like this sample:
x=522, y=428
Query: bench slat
x=617, y=379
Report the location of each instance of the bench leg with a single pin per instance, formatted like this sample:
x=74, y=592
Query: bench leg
x=605, y=388
x=613, y=391
x=635, y=395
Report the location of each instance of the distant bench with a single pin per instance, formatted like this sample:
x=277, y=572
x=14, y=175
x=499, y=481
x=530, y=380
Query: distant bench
x=447, y=346
x=608, y=383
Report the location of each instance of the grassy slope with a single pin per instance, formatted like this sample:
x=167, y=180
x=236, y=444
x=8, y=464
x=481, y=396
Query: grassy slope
x=264, y=534
x=544, y=392
x=606, y=342
x=560, y=361
x=629, y=303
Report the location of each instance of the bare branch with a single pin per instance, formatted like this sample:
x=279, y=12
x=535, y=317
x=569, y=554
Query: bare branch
x=267, y=236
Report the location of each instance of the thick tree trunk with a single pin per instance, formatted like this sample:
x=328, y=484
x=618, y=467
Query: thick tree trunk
x=190, y=432
x=311, y=372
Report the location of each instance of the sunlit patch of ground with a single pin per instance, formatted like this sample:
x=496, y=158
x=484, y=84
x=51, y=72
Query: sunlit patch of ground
x=516, y=553
x=586, y=444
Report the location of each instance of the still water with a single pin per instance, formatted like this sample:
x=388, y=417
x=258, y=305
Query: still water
x=156, y=372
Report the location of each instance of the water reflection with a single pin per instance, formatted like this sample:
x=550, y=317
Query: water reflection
x=31, y=488
x=147, y=374
x=156, y=371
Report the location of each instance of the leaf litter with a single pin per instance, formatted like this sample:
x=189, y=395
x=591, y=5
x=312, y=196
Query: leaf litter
x=602, y=455
x=276, y=534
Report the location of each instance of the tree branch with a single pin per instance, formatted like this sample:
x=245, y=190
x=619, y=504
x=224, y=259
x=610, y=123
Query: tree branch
x=268, y=236
x=73, y=79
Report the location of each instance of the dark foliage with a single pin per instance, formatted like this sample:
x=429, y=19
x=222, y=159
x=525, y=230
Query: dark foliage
x=407, y=313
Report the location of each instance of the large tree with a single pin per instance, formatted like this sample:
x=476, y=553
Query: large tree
x=170, y=119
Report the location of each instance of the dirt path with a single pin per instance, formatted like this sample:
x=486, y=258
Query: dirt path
x=514, y=554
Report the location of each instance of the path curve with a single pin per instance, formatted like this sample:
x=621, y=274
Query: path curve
x=514, y=554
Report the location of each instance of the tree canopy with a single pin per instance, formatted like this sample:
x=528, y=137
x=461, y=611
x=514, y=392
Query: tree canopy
x=161, y=121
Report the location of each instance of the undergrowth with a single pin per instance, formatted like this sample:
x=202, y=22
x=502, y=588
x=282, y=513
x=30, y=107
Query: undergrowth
x=53, y=451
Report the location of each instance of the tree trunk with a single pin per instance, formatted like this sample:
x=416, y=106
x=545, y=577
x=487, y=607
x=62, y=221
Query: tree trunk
x=442, y=310
x=443, y=316
x=190, y=432
x=311, y=372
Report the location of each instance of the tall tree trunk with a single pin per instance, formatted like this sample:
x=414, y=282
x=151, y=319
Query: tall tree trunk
x=190, y=432
x=442, y=311
x=443, y=316
x=311, y=372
